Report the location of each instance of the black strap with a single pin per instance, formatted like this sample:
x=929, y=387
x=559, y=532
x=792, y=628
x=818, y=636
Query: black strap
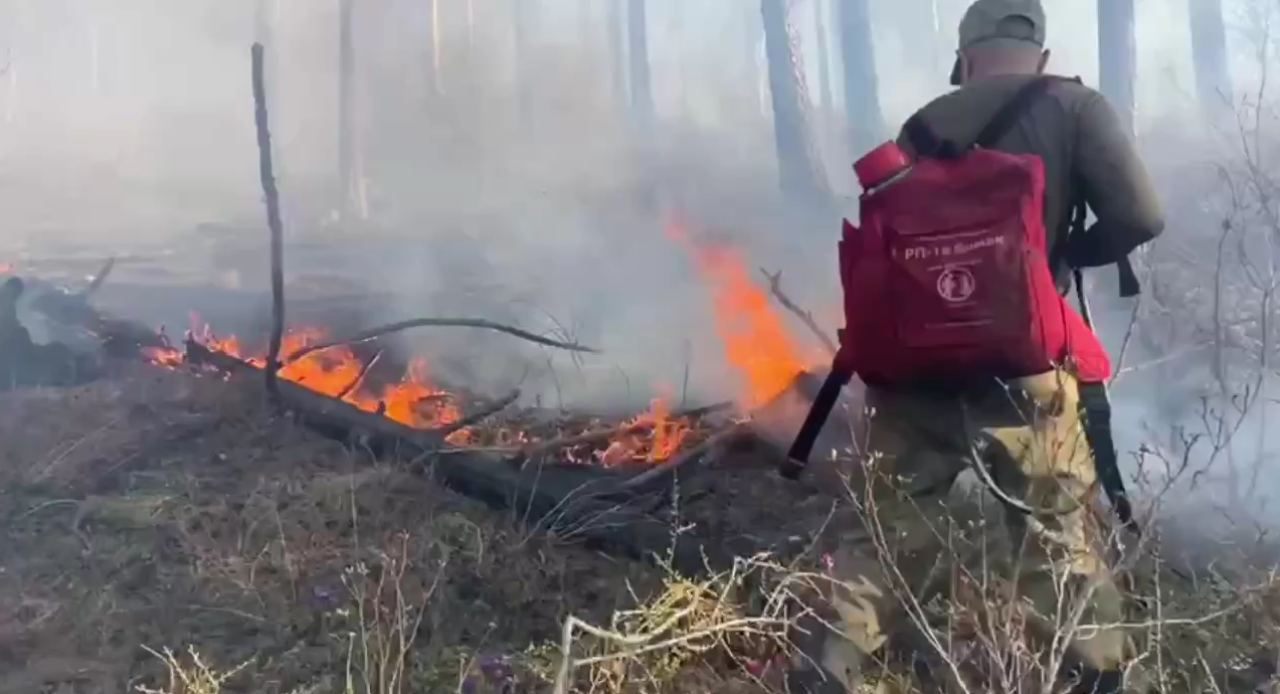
x=1004, y=119
x=1095, y=412
x=798, y=456
x=1130, y=286
x=927, y=144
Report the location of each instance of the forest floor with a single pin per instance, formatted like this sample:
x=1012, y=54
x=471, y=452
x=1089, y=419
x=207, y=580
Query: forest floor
x=169, y=531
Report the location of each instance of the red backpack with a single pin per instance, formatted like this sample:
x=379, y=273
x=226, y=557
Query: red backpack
x=947, y=282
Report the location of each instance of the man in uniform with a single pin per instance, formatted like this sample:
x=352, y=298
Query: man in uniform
x=1028, y=431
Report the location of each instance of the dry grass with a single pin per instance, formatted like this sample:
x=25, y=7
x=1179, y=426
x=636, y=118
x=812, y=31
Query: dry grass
x=189, y=517
x=159, y=511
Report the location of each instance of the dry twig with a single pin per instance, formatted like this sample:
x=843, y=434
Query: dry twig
x=375, y=333
x=775, y=288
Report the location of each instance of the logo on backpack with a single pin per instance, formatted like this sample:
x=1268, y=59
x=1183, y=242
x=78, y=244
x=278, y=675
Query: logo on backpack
x=956, y=284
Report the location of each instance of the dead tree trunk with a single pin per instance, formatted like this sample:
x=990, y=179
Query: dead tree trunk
x=520, y=10
x=432, y=41
x=638, y=46
x=861, y=87
x=1209, y=54
x=822, y=31
x=346, y=88
x=617, y=54
x=1117, y=57
x=264, y=30
x=796, y=168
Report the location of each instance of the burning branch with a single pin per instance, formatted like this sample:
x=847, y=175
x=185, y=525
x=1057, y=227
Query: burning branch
x=375, y=333
x=273, y=219
x=775, y=288
x=482, y=414
x=355, y=382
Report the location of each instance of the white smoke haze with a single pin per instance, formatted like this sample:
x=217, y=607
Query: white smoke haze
x=503, y=176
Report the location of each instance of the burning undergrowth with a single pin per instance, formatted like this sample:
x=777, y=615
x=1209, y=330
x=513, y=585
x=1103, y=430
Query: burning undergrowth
x=764, y=354
x=172, y=506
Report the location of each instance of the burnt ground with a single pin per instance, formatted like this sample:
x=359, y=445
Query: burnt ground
x=160, y=509
x=165, y=510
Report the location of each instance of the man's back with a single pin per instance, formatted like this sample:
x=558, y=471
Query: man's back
x=1086, y=152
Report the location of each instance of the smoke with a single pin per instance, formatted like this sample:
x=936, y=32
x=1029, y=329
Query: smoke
x=506, y=179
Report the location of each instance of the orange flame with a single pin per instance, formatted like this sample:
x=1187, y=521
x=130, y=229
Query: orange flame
x=755, y=341
x=413, y=401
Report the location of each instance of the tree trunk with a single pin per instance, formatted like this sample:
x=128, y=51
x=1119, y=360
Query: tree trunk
x=821, y=30
x=434, y=82
x=1209, y=54
x=861, y=87
x=520, y=32
x=346, y=85
x=617, y=54
x=1117, y=57
x=796, y=167
x=264, y=30
x=638, y=46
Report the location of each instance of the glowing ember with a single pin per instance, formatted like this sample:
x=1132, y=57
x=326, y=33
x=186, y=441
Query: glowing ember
x=661, y=440
x=755, y=341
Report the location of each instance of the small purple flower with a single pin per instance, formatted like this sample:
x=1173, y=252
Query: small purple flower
x=468, y=686
x=495, y=668
x=325, y=597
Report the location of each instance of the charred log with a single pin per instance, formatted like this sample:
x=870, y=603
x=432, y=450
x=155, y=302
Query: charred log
x=604, y=509
x=23, y=363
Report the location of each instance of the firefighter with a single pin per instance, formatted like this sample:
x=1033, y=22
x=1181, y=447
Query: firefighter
x=1029, y=431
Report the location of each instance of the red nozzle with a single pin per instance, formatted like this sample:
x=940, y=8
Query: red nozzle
x=880, y=164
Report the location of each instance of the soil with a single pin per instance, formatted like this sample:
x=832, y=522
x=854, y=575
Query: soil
x=160, y=509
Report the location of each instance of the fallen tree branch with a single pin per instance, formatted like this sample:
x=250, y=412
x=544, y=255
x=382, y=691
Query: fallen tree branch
x=602, y=435
x=669, y=467
x=99, y=278
x=273, y=218
x=355, y=382
x=580, y=502
x=775, y=288
x=375, y=333
x=483, y=414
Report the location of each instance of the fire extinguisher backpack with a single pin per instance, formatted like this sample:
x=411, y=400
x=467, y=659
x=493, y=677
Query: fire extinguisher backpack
x=947, y=280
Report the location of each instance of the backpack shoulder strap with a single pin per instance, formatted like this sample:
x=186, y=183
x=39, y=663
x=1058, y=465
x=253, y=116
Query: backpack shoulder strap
x=927, y=144
x=1005, y=118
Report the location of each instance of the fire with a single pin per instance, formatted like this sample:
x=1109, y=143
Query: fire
x=755, y=340
x=665, y=436
x=339, y=373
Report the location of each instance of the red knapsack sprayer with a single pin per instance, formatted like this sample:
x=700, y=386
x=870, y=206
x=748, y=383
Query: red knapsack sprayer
x=946, y=280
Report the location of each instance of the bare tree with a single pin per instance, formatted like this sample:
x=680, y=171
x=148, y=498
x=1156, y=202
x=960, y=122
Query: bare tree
x=823, y=33
x=617, y=53
x=796, y=166
x=346, y=124
x=1209, y=54
x=861, y=85
x=1117, y=56
x=638, y=50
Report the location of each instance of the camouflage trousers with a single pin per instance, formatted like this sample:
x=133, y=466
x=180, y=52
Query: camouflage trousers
x=1029, y=436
